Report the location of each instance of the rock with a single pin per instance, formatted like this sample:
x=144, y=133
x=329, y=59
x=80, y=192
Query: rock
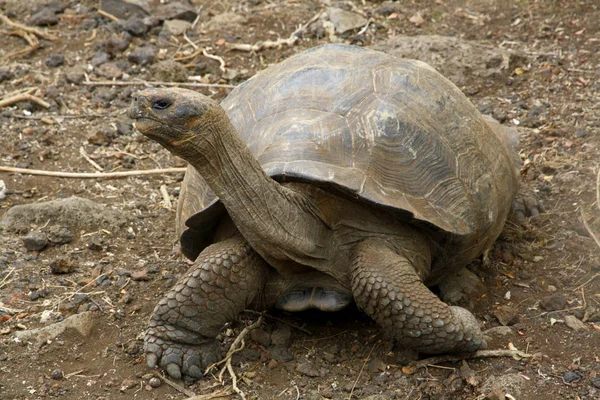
x=506, y=315
x=458, y=59
x=280, y=354
x=572, y=376
x=140, y=275
x=96, y=245
x=5, y=73
x=308, y=369
x=143, y=55
x=507, y=383
x=59, y=234
x=62, y=265
x=225, y=20
x=116, y=44
x=57, y=374
x=73, y=211
x=82, y=323
x=175, y=10
x=376, y=365
x=462, y=285
x=109, y=70
x=554, y=302
x=154, y=382
x=177, y=27
x=389, y=8
x=595, y=382
x=35, y=241
x=499, y=331
x=282, y=336
x=44, y=17
x=135, y=26
x=344, y=21
x=124, y=9
x=261, y=337
x=417, y=19
x=128, y=383
x=55, y=60
x=75, y=75
x=575, y=324
x=169, y=71
x=100, y=58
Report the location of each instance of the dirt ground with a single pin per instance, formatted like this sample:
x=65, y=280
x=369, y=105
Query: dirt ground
x=542, y=280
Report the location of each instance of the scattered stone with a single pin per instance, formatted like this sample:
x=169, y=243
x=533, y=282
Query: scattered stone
x=175, y=10
x=282, y=336
x=506, y=315
x=225, y=20
x=46, y=316
x=59, y=234
x=460, y=286
x=595, y=382
x=95, y=245
x=389, y=8
x=128, y=383
x=38, y=294
x=554, y=302
x=507, y=383
x=135, y=26
x=169, y=71
x=72, y=211
x=143, y=55
x=116, y=44
x=44, y=17
x=344, y=21
x=55, y=60
x=308, y=369
x=572, y=376
x=100, y=58
x=250, y=354
x=499, y=331
x=551, y=288
x=75, y=75
x=82, y=322
x=109, y=70
x=280, y=354
x=417, y=19
x=154, y=382
x=140, y=275
x=261, y=337
x=35, y=241
x=57, y=374
x=376, y=365
x=62, y=265
x=177, y=27
x=575, y=324
x=5, y=73
x=124, y=9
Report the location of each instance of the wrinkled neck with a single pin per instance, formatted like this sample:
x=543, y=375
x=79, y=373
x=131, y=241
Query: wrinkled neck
x=279, y=223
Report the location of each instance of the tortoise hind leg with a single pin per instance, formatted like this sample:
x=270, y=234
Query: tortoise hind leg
x=387, y=287
x=226, y=278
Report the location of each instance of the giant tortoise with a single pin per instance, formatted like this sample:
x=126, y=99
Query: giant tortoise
x=341, y=174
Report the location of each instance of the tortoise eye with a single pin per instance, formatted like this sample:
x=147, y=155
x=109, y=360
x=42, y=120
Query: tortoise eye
x=161, y=104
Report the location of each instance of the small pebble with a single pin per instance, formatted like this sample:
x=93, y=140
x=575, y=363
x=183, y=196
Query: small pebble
x=155, y=382
x=261, y=337
x=35, y=241
x=44, y=17
x=62, y=265
x=572, y=376
x=55, y=60
x=143, y=55
x=554, y=302
x=280, y=354
x=57, y=374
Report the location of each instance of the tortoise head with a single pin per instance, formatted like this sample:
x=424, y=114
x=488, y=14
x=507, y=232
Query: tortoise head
x=176, y=118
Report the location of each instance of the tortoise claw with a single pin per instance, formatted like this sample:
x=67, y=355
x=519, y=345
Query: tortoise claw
x=526, y=206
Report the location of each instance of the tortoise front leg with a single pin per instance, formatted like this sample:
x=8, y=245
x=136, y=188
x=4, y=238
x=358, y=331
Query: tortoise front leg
x=225, y=279
x=387, y=287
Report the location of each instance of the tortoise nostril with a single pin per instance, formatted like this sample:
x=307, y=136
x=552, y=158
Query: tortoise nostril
x=135, y=99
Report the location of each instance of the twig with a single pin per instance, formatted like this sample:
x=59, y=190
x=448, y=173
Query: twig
x=598, y=189
x=31, y=39
x=108, y=15
x=165, y=196
x=217, y=394
x=214, y=57
x=272, y=44
x=74, y=373
x=234, y=348
x=23, y=97
x=588, y=228
x=157, y=83
x=92, y=175
x=175, y=386
x=588, y=281
x=88, y=159
x=4, y=280
x=9, y=310
x=26, y=28
x=361, y=371
x=478, y=354
x=64, y=116
x=283, y=321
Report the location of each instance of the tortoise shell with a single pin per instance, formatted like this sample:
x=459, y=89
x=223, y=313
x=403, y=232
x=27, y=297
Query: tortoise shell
x=390, y=132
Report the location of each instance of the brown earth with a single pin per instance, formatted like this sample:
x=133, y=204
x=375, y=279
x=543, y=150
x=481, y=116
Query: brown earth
x=538, y=276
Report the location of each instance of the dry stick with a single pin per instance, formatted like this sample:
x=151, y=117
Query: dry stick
x=598, y=189
x=88, y=159
x=478, y=354
x=232, y=350
x=175, y=386
x=217, y=394
x=214, y=57
x=165, y=196
x=586, y=282
x=92, y=175
x=34, y=44
x=9, y=310
x=588, y=228
x=270, y=44
x=157, y=83
x=108, y=15
x=23, y=97
x=283, y=321
x=26, y=28
x=361, y=371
